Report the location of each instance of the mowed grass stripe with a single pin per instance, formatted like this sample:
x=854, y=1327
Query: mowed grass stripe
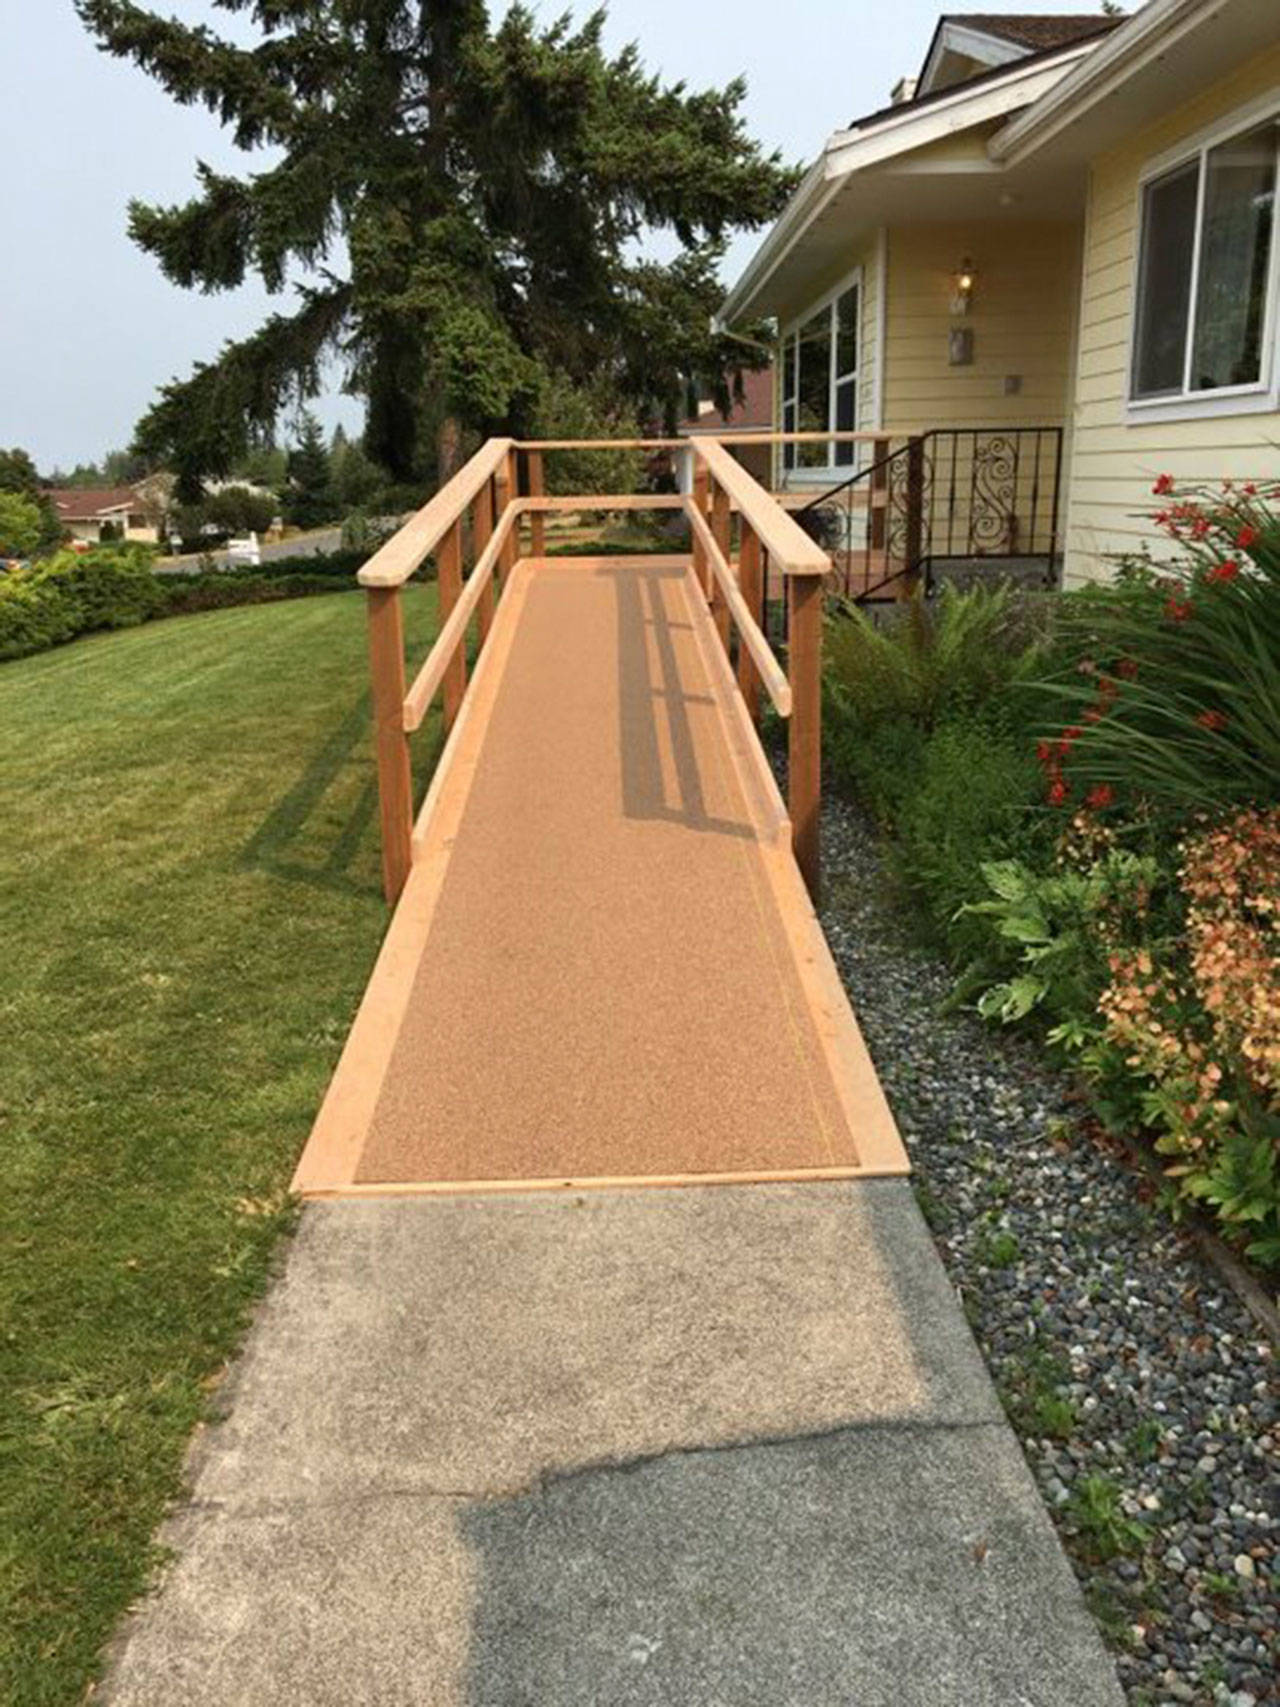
x=190, y=906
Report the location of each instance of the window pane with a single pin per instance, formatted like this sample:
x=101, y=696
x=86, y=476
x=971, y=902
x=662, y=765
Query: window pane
x=1164, y=282
x=789, y=426
x=1235, y=257
x=815, y=386
x=846, y=420
x=847, y=332
x=789, y=372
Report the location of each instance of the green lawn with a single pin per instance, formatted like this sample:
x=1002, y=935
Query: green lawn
x=189, y=909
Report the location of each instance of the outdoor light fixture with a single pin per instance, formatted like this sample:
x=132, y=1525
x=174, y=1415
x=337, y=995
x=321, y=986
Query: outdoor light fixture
x=963, y=294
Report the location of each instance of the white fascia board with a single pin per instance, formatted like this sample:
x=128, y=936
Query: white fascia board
x=854, y=150
x=973, y=44
x=850, y=151
x=1114, y=60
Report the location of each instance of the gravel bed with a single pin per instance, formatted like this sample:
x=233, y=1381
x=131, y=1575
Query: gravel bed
x=1143, y=1391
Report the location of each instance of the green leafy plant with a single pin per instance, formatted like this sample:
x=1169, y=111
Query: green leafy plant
x=1054, y=929
x=1096, y=1512
x=1172, y=692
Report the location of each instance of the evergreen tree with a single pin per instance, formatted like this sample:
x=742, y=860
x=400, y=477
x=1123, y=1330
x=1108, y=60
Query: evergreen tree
x=18, y=475
x=487, y=185
x=309, y=499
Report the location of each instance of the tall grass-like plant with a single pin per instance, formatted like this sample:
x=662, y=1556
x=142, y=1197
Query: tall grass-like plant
x=1174, y=693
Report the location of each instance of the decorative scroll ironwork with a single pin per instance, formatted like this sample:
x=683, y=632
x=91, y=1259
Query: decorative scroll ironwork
x=993, y=500
x=974, y=493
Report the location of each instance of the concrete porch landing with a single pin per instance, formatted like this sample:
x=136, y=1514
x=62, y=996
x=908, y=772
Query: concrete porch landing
x=726, y=1447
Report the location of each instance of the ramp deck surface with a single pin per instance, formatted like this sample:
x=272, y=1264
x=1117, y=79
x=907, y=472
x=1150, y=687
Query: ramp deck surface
x=604, y=966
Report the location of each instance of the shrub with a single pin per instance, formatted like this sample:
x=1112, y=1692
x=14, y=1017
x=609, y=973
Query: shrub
x=239, y=509
x=1173, y=696
x=112, y=587
x=21, y=525
x=966, y=803
x=72, y=594
x=1198, y=1021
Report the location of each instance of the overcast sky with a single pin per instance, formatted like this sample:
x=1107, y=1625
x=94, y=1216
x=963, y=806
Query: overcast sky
x=89, y=328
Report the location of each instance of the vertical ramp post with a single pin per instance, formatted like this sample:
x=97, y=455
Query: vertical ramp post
x=701, y=493
x=537, y=523
x=504, y=491
x=481, y=534
x=395, y=780
x=804, y=748
x=749, y=578
x=721, y=527
x=449, y=577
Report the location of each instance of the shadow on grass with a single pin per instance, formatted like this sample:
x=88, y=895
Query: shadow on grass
x=277, y=843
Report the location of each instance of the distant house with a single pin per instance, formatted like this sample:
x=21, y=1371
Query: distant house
x=1052, y=262
x=91, y=514
x=753, y=413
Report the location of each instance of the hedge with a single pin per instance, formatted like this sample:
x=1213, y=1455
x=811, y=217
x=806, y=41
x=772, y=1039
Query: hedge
x=49, y=602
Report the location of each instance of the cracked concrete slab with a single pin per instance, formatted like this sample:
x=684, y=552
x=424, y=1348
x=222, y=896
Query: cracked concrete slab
x=492, y=1450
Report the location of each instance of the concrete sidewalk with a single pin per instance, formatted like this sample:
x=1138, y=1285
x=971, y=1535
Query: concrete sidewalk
x=716, y=1447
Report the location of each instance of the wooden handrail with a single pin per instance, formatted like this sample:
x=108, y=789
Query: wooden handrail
x=393, y=563
x=426, y=684
x=789, y=547
x=771, y=672
x=602, y=501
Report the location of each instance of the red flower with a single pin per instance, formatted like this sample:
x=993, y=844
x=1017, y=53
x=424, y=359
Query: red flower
x=1212, y=720
x=1224, y=571
x=1058, y=792
x=1177, y=610
x=1163, y=484
x=1100, y=797
x=1249, y=489
x=1200, y=527
x=1128, y=668
x=1044, y=752
x=1246, y=537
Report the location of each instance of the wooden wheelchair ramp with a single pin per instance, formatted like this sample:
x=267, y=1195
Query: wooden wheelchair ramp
x=604, y=967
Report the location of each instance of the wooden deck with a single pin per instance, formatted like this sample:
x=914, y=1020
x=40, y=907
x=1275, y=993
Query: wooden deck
x=604, y=966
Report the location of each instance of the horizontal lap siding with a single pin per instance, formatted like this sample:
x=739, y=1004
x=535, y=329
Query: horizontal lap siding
x=1113, y=462
x=1022, y=318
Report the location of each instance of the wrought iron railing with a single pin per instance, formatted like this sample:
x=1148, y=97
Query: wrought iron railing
x=959, y=501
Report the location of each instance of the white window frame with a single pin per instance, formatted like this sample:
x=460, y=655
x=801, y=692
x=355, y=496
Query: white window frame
x=1263, y=394
x=823, y=473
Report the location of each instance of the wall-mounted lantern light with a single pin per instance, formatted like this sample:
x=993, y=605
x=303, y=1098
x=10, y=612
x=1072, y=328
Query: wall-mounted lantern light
x=962, y=294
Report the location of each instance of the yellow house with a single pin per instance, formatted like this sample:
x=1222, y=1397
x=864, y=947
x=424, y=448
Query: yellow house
x=1045, y=274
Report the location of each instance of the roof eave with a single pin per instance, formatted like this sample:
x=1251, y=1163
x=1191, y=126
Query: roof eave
x=1091, y=80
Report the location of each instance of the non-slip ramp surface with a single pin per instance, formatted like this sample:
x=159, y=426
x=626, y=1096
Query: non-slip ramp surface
x=604, y=965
